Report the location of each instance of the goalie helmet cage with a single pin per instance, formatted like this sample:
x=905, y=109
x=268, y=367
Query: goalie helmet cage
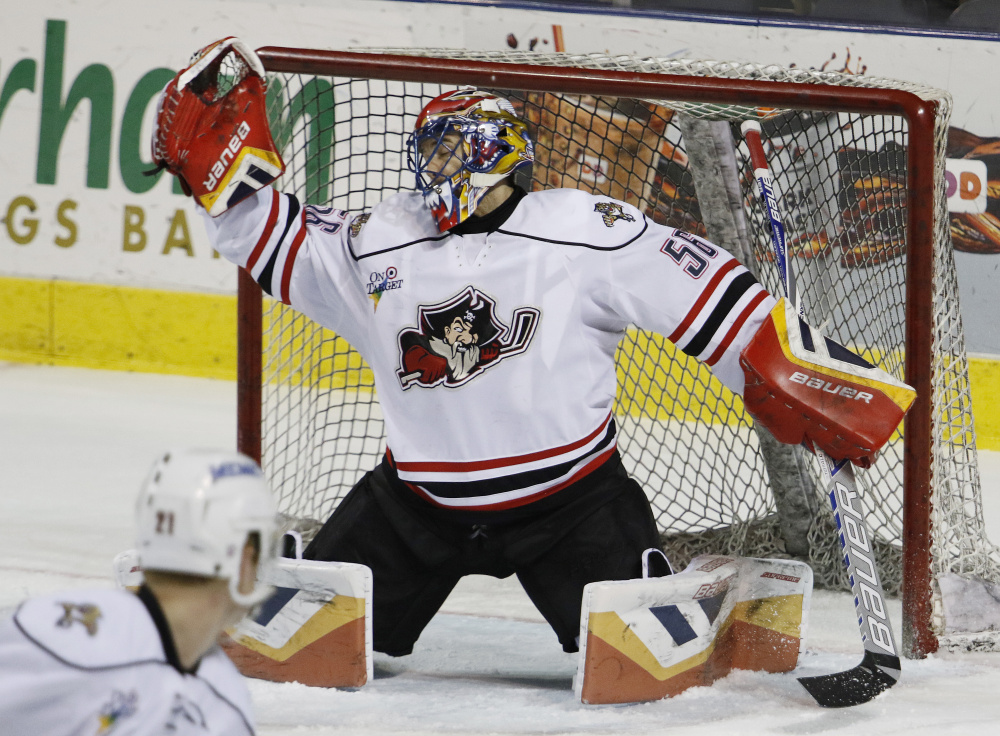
x=859, y=163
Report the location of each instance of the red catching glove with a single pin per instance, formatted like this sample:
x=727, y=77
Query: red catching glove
x=807, y=388
x=211, y=128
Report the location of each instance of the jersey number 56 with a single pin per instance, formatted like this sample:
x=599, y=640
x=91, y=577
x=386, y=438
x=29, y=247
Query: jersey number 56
x=689, y=251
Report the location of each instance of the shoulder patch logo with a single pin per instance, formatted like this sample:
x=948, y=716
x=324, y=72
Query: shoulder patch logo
x=457, y=339
x=358, y=223
x=611, y=212
x=120, y=706
x=86, y=614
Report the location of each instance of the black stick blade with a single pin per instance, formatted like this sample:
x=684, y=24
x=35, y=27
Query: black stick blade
x=876, y=674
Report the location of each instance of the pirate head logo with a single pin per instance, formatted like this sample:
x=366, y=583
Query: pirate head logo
x=86, y=614
x=612, y=212
x=457, y=339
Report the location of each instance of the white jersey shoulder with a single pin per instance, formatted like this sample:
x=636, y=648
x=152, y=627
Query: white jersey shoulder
x=92, y=662
x=572, y=217
x=402, y=219
x=91, y=629
x=228, y=682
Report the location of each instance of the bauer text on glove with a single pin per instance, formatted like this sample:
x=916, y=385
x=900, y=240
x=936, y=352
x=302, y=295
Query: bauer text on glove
x=211, y=128
x=805, y=387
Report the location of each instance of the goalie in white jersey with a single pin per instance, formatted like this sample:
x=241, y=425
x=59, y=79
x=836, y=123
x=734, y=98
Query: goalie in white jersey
x=490, y=318
x=89, y=662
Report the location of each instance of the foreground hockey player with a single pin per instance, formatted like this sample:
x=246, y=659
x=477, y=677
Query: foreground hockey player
x=110, y=661
x=490, y=318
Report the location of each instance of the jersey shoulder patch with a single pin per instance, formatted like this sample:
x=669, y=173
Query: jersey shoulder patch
x=572, y=217
x=91, y=629
x=399, y=220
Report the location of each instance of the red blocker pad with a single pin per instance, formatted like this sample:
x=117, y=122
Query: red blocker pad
x=316, y=629
x=212, y=128
x=653, y=638
x=803, y=386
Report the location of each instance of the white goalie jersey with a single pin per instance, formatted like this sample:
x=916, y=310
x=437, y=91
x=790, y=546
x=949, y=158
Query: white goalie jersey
x=92, y=662
x=493, y=353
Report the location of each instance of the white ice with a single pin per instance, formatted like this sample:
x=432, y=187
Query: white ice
x=75, y=445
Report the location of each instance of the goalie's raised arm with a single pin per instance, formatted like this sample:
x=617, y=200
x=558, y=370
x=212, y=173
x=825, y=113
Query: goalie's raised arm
x=211, y=128
x=807, y=388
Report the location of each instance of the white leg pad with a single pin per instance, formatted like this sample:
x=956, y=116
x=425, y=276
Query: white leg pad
x=653, y=638
x=316, y=629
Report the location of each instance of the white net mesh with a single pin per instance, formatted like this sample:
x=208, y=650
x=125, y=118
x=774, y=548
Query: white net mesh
x=682, y=435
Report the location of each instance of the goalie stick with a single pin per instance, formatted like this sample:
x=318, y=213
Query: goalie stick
x=880, y=668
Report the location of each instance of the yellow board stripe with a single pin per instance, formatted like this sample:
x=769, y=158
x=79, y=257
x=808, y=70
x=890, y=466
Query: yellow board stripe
x=123, y=328
x=341, y=610
x=780, y=613
x=65, y=323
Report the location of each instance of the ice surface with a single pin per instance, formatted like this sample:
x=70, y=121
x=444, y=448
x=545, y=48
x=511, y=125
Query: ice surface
x=76, y=444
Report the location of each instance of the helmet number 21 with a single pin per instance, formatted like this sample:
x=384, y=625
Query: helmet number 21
x=164, y=522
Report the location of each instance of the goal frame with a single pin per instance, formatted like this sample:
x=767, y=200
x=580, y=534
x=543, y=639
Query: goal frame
x=918, y=637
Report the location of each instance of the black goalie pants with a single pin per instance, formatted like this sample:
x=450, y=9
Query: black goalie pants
x=594, y=530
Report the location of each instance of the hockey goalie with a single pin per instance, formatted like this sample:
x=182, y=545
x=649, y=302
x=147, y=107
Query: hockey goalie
x=493, y=357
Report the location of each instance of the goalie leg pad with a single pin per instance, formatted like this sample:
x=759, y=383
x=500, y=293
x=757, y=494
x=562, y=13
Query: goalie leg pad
x=804, y=387
x=211, y=127
x=316, y=629
x=653, y=638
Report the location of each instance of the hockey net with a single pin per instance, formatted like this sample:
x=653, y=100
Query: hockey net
x=859, y=162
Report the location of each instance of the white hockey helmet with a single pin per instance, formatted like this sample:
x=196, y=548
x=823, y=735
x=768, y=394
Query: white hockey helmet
x=196, y=511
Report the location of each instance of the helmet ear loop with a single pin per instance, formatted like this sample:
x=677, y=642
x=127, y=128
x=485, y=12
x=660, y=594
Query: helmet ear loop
x=255, y=597
x=260, y=591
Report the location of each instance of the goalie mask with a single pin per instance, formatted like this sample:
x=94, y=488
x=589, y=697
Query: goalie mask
x=465, y=142
x=196, y=511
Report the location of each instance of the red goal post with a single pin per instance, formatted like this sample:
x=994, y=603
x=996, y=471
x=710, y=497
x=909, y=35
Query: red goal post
x=936, y=456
